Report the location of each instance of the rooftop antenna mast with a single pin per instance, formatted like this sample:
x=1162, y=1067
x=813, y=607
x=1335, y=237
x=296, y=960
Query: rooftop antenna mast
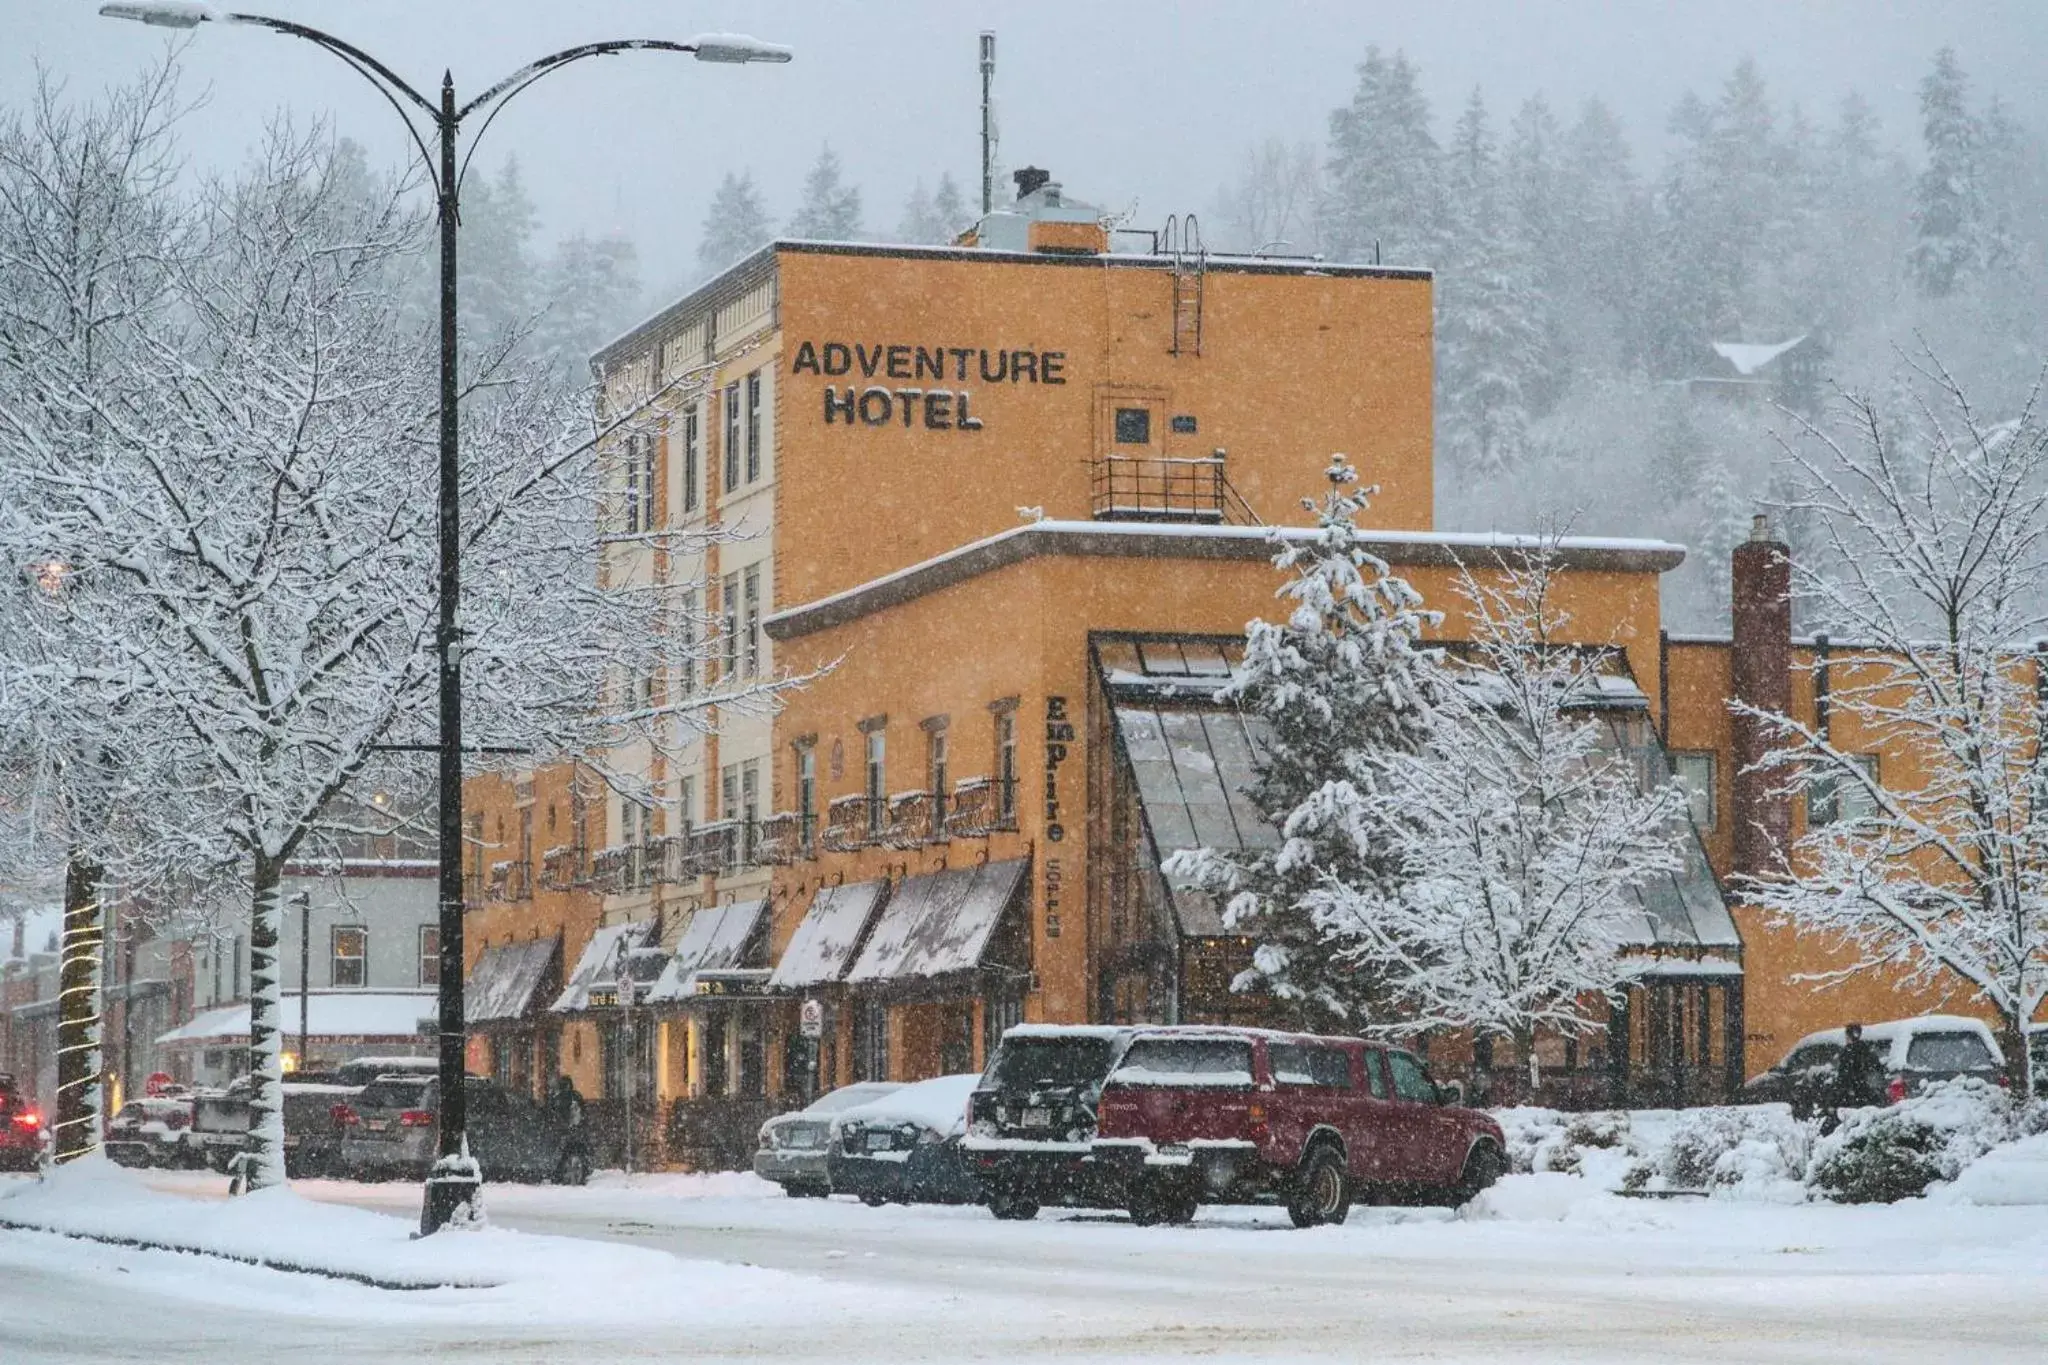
x=988, y=123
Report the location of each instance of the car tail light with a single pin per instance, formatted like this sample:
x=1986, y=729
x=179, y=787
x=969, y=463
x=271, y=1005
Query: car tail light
x=1896, y=1090
x=28, y=1118
x=176, y=1119
x=2004, y=1081
x=1257, y=1114
x=343, y=1116
x=416, y=1118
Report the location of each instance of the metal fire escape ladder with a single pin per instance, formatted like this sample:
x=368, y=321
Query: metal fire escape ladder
x=1183, y=245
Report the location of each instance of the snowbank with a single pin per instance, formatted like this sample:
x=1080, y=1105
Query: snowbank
x=2013, y=1174
x=495, y=1273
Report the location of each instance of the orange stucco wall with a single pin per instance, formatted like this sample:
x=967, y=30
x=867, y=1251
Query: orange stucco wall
x=1782, y=1000
x=1022, y=632
x=1293, y=367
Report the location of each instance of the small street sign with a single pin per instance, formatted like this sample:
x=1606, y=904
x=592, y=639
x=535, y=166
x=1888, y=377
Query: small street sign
x=811, y=1021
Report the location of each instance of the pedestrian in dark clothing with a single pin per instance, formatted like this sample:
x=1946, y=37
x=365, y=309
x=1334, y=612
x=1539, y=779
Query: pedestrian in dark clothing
x=1858, y=1080
x=565, y=1104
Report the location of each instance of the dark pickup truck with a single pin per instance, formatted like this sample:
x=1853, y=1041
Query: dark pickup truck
x=1162, y=1119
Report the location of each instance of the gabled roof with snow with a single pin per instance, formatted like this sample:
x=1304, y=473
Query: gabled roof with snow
x=329, y=1015
x=1747, y=357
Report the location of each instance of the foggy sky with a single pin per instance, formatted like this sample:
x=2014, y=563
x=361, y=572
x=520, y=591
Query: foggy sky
x=1127, y=103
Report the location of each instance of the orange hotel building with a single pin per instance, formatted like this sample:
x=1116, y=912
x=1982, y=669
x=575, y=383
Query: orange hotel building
x=1012, y=503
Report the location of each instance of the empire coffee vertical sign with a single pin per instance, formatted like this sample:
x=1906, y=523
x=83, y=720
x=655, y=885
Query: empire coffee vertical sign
x=1059, y=738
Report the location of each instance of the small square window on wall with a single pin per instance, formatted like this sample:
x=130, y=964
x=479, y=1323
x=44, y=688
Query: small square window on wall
x=349, y=955
x=1694, y=773
x=1134, y=426
x=1183, y=424
x=1836, y=798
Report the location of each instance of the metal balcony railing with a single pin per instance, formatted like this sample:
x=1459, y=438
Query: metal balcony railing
x=847, y=826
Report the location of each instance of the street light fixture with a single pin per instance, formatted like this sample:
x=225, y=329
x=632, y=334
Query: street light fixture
x=455, y=1179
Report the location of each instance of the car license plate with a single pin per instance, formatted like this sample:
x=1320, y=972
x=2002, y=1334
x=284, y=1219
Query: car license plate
x=880, y=1142
x=376, y=1125
x=1038, y=1117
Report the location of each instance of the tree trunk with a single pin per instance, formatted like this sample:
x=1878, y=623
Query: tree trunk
x=77, y=1129
x=266, y=1061
x=2019, y=1070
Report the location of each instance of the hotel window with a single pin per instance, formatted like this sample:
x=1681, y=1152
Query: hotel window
x=750, y=808
x=732, y=438
x=693, y=457
x=647, y=481
x=877, y=783
x=1834, y=799
x=686, y=637
x=751, y=624
x=753, y=426
x=935, y=774
x=807, y=797
x=1006, y=767
x=348, y=955
x=729, y=810
x=1695, y=773
x=686, y=803
x=430, y=954
x=1134, y=426
x=730, y=607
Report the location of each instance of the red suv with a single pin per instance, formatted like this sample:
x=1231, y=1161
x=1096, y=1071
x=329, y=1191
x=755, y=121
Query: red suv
x=1161, y=1119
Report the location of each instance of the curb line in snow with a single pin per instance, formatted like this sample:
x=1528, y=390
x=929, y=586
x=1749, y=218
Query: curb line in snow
x=264, y=1262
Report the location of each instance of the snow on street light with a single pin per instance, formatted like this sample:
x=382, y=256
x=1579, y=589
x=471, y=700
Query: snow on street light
x=164, y=13
x=737, y=47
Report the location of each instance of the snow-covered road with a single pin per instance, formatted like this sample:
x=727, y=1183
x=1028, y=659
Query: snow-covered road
x=1559, y=1275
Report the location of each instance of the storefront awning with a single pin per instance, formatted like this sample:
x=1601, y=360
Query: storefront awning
x=715, y=940
x=823, y=945
x=593, y=982
x=506, y=978
x=939, y=923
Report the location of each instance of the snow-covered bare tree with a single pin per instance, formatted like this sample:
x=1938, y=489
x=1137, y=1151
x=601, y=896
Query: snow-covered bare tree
x=1344, y=676
x=1275, y=202
x=86, y=232
x=247, y=554
x=1933, y=559
x=1526, y=827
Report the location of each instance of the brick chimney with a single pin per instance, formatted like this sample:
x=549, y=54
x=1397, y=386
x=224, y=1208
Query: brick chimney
x=1760, y=666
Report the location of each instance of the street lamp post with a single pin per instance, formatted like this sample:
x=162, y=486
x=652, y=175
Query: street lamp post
x=455, y=1179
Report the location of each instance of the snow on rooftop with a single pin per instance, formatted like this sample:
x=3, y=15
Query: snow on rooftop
x=329, y=1014
x=1750, y=356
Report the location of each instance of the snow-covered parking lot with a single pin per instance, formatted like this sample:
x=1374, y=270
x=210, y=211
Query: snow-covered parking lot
x=1546, y=1268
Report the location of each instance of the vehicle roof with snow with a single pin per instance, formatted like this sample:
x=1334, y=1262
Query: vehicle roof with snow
x=939, y=1104
x=1892, y=1031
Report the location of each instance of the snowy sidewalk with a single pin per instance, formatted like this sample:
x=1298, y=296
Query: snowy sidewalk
x=490, y=1268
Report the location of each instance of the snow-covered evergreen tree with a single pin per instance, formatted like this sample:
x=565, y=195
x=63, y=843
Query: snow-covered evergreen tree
x=500, y=289
x=1344, y=675
x=829, y=210
x=1525, y=832
x=1381, y=187
x=592, y=287
x=1932, y=530
x=1489, y=338
x=935, y=218
x=1949, y=218
x=736, y=223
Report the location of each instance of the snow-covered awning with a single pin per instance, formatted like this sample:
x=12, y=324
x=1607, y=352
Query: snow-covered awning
x=823, y=945
x=939, y=923
x=1192, y=769
x=506, y=979
x=595, y=970
x=716, y=939
x=331, y=1016
x=1747, y=357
